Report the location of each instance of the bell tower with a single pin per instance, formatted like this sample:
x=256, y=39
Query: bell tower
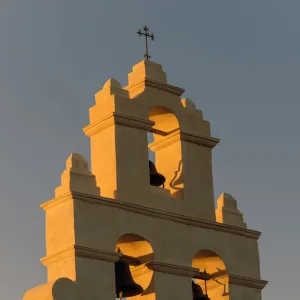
x=136, y=229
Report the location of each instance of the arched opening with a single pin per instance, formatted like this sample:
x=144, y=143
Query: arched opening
x=165, y=122
x=136, y=253
x=216, y=285
x=166, y=147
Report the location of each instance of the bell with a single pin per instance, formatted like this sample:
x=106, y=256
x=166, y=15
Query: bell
x=198, y=293
x=125, y=286
x=156, y=179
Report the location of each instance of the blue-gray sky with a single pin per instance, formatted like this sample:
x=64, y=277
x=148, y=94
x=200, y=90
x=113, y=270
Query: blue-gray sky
x=238, y=61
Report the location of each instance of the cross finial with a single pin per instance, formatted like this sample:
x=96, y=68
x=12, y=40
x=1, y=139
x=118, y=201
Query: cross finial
x=147, y=35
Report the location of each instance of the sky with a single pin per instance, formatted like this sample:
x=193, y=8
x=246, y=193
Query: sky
x=237, y=60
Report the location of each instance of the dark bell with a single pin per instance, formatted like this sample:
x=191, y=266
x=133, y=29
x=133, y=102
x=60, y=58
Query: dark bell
x=198, y=293
x=125, y=285
x=156, y=179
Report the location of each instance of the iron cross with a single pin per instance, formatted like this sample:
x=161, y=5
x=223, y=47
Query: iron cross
x=147, y=35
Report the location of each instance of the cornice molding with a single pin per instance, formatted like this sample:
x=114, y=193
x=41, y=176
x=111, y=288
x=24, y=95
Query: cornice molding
x=80, y=251
x=64, y=253
x=134, y=208
x=206, y=141
x=169, y=139
x=115, y=118
x=172, y=269
x=233, y=279
x=110, y=256
x=195, y=273
x=247, y=282
x=156, y=84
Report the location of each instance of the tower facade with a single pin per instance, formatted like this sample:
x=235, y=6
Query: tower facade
x=167, y=236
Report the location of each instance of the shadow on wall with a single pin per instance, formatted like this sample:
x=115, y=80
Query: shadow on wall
x=178, y=178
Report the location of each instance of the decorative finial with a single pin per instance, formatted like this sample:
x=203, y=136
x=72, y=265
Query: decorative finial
x=147, y=35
